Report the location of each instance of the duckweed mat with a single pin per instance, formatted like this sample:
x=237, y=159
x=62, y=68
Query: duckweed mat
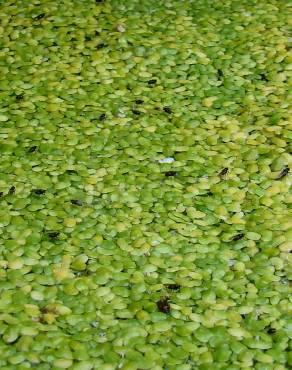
x=145, y=185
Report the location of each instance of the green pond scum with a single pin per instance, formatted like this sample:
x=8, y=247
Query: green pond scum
x=145, y=173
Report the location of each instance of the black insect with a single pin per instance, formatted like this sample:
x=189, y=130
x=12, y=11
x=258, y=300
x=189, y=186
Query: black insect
x=53, y=234
x=271, y=330
x=136, y=112
x=152, y=82
x=170, y=173
x=39, y=191
x=76, y=202
x=224, y=171
x=97, y=33
x=19, y=97
x=163, y=305
x=220, y=73
x=1, y=194
x=32, y=149
x=283, y=173
x=167, y=110
x=175, y=287
x=40, y=16
x=102, y=117
x=263, y=77
x=12, y=190
x=44, y=310
x=238, y=237
x=139, y=101
x=101, y=46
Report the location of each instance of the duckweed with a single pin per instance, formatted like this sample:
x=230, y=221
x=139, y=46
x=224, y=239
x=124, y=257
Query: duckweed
x=145, y=156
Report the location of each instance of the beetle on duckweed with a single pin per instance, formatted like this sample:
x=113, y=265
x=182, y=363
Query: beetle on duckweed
x=53, y=234
x=224, y=171
x=175, y=287
x=238, y=237
x=163, y=305
x=76, y=202
x=170, y=173
x=167, y=110
x=220, y=73
x=12, y=190
x=102, y=117
x=39, y=191
x=32, y=149
x=271, y=330
x=40, y=16
x=284, y=172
